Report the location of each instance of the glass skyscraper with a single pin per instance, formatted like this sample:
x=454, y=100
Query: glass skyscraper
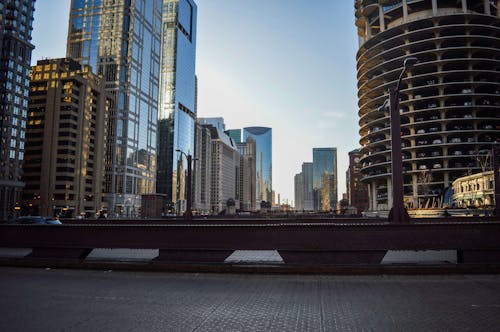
x=16, y=22
x=325, y=179
x=177, y=100
x=120, y=40
x=264, y=161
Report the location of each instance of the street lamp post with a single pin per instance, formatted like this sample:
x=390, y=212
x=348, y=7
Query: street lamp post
x=398, y=213
x=189, y=159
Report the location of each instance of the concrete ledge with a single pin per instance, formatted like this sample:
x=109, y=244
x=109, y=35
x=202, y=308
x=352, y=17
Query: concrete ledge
x=252, y=268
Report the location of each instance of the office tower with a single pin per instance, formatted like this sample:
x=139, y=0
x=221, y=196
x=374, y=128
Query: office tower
x=217, y=122
x=235, y=134
x=448, y=101
x=120, y=40
x=177, y=112
x=202, y=169
x=307, y=179
x=225, y=171
x=324, y=179
x=16, y=23
x=65, y=140
x=247, y=195
x=357, y=191
x=299, y=192
x=264, y=161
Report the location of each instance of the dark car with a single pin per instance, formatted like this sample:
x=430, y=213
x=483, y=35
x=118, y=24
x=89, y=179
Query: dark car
x=37, y=220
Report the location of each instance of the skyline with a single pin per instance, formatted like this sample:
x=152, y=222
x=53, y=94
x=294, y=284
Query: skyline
x=264, y=70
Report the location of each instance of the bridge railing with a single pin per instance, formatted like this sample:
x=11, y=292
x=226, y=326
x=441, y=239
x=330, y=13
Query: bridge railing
x=361, y=242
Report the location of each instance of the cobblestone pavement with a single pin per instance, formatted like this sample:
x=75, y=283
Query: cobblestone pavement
x=79, y=300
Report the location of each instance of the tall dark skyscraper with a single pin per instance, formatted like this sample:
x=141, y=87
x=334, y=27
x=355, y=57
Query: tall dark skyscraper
x=177, y=100
x=121, y=41
x=16, y=22
x=263, y=137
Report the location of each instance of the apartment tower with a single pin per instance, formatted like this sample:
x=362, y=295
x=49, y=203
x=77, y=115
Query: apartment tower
x=448, y=101
x=65, y=140
x=16, y=24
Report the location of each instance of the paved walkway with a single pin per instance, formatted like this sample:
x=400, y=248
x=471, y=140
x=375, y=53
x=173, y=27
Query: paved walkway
x=79, y=300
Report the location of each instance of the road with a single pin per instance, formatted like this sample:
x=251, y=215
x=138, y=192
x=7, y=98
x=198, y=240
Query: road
x=80, y=300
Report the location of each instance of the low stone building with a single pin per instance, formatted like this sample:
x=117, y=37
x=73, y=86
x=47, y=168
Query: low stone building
x=474, y=190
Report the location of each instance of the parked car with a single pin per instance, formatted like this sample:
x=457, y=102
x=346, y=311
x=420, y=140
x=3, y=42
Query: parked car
x=37, y=220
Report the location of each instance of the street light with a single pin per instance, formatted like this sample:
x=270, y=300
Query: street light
x=398, y=213
x=189, y=159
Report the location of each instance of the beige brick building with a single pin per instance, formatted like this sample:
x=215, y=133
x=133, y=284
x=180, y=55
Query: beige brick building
x=65, y=140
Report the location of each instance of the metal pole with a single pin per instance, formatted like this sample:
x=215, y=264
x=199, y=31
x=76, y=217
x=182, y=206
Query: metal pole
x=398, y=212
x=188, y=199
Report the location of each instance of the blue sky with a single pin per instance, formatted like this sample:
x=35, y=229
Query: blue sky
x=285, y=64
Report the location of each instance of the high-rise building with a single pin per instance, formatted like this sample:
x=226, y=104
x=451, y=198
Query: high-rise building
x=235, y=134
x=178, y=101
x=202, y=169
x=247, y=196
x=120, y=40
x=448, y=101
x=217, y=122
x=263, y=137
x=299, y=192
x=325, y=181
x=357, y=191
x=307, y=180
x=225, y=171
x=16, y=24
x=65, y=140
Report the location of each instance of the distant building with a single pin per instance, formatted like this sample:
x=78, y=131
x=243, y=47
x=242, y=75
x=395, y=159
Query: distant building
x=325, y=181
x=299, y=191
x=235, y=134
x=476, y=190
x=217, y=122
x=307, y=180
x=357, y=191
x=225, y=170
x=247, y=195
x=202, y=169
x=16, y=24
x=263, y=137
x=65, y=139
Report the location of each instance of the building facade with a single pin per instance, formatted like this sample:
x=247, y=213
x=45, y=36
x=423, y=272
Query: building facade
x=357, y=191
x=247, y=178
x=298, y=188
x=16, y=24
x=263, y=137
x=120, y=40
x=225, y=171
x=202, y=169
x=65, y=140
x=476, y=190
x=325, y=181
x=448, y=101
x=307, y=180
x=177, y=99
x=235, y=135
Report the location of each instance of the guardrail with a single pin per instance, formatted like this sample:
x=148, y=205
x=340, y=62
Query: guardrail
x=297, y=243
